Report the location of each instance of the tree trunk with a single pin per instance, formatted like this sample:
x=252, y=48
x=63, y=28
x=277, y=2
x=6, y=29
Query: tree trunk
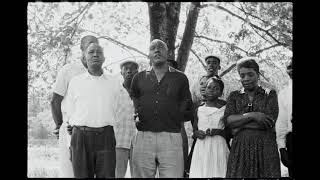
x=164, y=21
x=188, y=35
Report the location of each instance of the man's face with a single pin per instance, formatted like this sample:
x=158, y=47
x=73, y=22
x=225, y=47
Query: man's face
x=249, y=78
x=158, y=52
x=94, y=56
x=86, y=41
x=128, y=70
x=213, y=65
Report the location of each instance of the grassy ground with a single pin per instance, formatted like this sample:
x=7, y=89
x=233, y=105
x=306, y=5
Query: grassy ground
x=43, y=160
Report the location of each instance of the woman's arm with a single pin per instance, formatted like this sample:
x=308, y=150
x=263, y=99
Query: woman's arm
x=238, y=120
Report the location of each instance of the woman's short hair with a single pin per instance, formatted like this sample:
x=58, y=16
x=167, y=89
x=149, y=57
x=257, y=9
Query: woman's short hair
x=216, y=79
x=248, y=62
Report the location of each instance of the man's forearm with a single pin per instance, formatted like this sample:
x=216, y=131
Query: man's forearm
x=56, y=114
x=56, y=109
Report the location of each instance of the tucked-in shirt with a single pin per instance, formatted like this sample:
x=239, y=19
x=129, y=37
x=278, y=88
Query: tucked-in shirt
x=64, y=76
x=284, y=124
x=125, y=128
x=265, y=101
x=161, y=106
x=92, y=100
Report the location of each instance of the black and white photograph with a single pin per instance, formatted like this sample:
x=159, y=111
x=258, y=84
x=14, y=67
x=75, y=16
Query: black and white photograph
x=159, y=89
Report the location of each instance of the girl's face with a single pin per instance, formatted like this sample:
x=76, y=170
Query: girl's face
x=249, y=78
x=213, y=90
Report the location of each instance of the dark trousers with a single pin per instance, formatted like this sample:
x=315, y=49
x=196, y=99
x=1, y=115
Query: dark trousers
x=93, y=153
x=290, y=153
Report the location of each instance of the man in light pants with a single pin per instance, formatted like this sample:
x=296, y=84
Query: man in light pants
x=162, y=101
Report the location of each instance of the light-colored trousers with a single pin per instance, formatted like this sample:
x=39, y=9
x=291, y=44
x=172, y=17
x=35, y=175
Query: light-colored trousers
x=66, y=170
x=157, y=150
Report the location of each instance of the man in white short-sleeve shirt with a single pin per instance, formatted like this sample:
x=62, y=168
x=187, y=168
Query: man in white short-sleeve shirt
x=58, y=107
x=284, y=124
x=91, y=106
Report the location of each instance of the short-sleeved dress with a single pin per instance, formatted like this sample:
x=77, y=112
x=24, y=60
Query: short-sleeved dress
x=253, y=152
x=210, y=155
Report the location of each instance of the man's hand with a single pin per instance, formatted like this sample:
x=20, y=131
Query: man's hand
x=69, y=129
x=56, y=131
x=284, y=157
x=199, y=134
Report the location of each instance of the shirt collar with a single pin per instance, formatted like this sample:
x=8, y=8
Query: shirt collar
x=103, y=75
x=171, y=69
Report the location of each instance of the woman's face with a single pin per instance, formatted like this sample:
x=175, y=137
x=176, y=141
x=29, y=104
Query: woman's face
x=249, y=78
x=213, y=90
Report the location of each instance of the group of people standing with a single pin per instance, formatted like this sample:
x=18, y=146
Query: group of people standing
x=103, y=122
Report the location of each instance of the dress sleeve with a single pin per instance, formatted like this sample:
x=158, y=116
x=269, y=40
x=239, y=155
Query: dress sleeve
x=230, y=107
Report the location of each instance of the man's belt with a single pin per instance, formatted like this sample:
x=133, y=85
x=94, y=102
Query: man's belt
x=86, y=128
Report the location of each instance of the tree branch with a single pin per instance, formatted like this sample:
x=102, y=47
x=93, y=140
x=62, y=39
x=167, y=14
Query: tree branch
x=86, y=7
x=203, y=65
x=251, y=24
x=264, y=49
x=123, y=45
x=220, y=41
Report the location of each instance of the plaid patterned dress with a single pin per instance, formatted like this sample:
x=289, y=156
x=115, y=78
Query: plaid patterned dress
x=253, y=153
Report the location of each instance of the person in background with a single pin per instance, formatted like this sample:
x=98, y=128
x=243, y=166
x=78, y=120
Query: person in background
x=58, y=107
x=92, y=103
x=125, y=128
x=251, y=113
x=198, y=88
x=162, y=101
x=211, y=151
x=284, y=124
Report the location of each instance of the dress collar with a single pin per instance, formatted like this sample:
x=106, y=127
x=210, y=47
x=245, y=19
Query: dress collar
x=260, y=90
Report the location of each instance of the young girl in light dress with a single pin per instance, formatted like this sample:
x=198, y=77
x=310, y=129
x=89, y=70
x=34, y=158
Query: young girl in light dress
x=211, y=151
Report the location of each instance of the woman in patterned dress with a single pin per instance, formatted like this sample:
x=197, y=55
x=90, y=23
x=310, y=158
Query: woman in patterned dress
x=251, y=114
x=211, y=152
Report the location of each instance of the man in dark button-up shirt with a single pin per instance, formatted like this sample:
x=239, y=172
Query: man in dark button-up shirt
x=162, y=101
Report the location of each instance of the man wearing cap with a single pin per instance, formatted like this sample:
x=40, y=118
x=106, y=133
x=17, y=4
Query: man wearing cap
x=91, y=106
x=162, y=100
x=125, y=127
x=284, y=124
x=58, y=106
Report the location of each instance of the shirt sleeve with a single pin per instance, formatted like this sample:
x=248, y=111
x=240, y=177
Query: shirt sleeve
x=135, y=92
x=61, y=84
x=282, y=121
x=117, y=100
x=69, y=101
x=186, y=106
